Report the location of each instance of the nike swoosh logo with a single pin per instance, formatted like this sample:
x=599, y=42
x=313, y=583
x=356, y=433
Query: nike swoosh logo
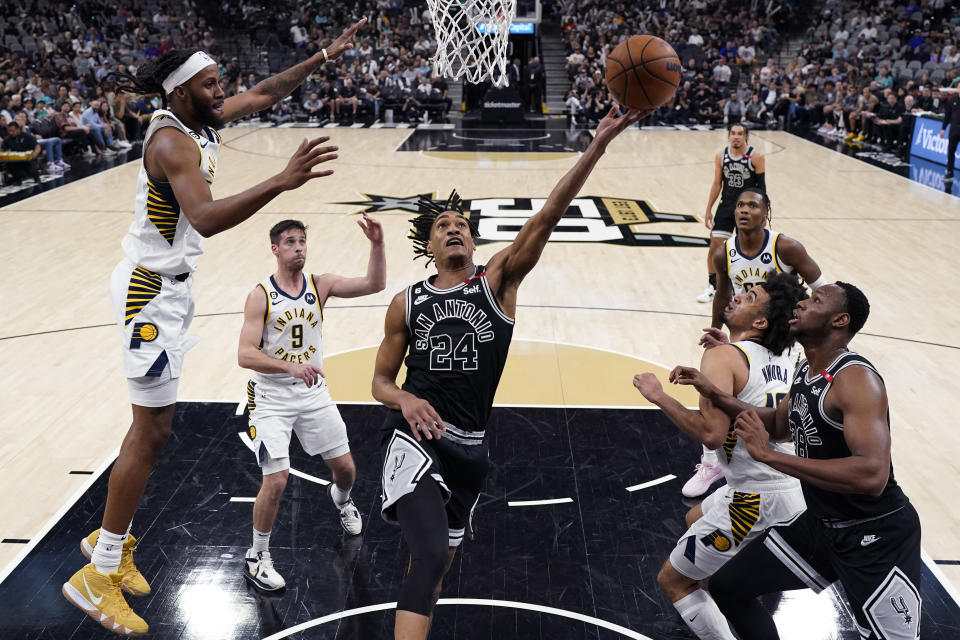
x=95, y=599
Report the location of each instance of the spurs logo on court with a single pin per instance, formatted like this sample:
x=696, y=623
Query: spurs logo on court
x=397, y=463
x=901, y=607
x=623, y=221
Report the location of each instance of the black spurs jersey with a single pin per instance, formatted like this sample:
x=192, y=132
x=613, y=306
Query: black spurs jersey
x=738, y=174
x=459, y=338
x=817, y=436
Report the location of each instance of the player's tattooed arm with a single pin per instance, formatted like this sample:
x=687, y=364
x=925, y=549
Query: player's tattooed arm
x=174, y=158
x=272, y=90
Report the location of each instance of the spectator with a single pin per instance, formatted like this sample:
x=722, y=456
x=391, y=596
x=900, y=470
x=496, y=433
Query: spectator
x=314, y=107
x=44, y=131
x=18, y=140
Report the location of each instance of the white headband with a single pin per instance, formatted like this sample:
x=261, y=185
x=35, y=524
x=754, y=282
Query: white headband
x=187, y=70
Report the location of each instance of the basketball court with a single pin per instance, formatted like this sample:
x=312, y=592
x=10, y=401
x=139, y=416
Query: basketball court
x=583, y=502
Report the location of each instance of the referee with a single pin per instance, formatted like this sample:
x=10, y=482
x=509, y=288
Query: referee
x=951, y=117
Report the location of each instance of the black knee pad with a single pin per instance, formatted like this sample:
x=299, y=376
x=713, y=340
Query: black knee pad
x=423, y=520
x=420, y=583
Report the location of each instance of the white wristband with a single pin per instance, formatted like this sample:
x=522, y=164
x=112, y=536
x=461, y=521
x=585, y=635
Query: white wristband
x=818, y=283
x=326, y=58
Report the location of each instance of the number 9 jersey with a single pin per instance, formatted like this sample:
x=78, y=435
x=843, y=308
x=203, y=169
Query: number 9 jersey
x=292, y=329
x=459, y=338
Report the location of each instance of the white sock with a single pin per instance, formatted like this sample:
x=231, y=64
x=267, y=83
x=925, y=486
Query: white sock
x=709, y=456
x=339, y=496
x=703, y=616
x=261, y=541
x=106, y=555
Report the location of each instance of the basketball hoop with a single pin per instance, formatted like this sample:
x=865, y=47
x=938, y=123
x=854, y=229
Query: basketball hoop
x=472, y=38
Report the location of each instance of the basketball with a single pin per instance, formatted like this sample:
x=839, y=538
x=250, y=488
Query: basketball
x=643, y=72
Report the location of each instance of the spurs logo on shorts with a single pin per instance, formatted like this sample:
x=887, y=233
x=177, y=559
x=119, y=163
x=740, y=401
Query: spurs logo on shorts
x=397, y=463
x=404, y=464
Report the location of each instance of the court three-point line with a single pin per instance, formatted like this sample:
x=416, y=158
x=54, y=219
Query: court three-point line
x=651, y=483
x=536, y=503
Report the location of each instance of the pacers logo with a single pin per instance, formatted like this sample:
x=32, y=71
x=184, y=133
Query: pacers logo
x=717, y=540
x=143, y=332
x=253, y=432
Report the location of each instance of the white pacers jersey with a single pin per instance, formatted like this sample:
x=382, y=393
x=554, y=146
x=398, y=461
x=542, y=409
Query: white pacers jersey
x=292, y=329
x=160, y=238
x=746, y=271
x=767, y=385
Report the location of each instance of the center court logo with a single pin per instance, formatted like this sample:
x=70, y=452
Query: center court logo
x=622, y=221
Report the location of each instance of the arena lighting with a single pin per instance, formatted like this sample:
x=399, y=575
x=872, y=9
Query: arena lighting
x=208, y=609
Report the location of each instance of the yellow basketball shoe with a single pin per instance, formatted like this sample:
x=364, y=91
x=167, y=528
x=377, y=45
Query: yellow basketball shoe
x=131, y=580
x=99, y=596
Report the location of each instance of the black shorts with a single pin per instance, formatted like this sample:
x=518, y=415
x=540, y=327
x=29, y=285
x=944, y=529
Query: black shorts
x=458, y=462
x=723, y=220
x=877, y=562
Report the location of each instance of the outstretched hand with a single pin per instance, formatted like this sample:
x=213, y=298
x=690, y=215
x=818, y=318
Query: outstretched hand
x=371, y=228
x=307, y=156
x=341, y=44
x=612, y=124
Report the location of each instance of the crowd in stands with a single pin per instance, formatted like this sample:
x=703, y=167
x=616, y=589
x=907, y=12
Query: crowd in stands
x=57, y=94
x=387, y=75
x=57, y=63
x=863, y=67
x=862, y=70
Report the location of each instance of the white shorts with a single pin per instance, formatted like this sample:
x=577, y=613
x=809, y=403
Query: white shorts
x=279, y=410
x=730, y=520
x=156, y=391
x=153, y=313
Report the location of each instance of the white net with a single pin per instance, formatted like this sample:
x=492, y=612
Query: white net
x=472, y=38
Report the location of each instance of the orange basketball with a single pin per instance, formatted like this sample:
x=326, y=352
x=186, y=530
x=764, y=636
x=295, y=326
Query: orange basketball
x=643, y=72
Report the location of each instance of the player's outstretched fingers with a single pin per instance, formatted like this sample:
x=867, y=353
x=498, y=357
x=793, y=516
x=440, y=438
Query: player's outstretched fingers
x=327, y=157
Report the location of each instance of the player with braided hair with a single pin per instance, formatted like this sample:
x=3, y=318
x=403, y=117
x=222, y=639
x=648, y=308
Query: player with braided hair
x=150, y=288
x=423, y=223
x=757, y=368
x=453, y=330
x=742, y=262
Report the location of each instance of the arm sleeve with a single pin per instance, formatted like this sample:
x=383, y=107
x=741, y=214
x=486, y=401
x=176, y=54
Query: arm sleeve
x=762, y=181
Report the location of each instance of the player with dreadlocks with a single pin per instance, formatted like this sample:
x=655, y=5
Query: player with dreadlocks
x=150, y=288
x=757, y=368
x=453, y=330
x=746, y=260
